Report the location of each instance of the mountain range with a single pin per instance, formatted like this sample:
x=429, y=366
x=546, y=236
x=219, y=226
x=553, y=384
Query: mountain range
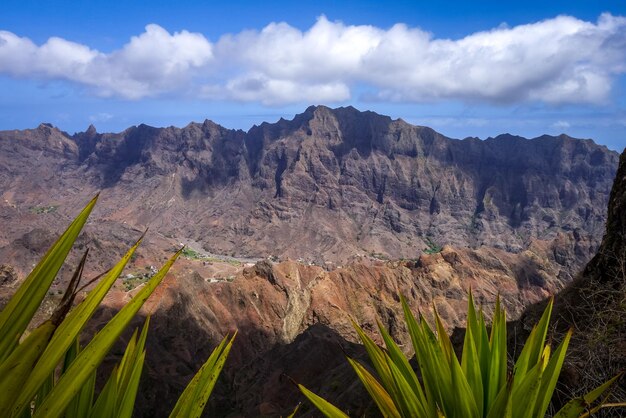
x=324, y=186
x=298, y=225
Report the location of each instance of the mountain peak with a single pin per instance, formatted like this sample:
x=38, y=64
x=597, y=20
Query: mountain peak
x=46, y=127
x=91, y=130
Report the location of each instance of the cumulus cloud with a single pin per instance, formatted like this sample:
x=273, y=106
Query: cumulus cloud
x=561, y=124
x=150, y=64
x=559, y=60
x=101, y=117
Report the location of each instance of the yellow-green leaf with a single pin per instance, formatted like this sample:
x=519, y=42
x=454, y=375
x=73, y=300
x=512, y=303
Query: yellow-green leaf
x=376, y=391
x=68, y=331
x=20, y=309
x=329, y=410
x=88, y=360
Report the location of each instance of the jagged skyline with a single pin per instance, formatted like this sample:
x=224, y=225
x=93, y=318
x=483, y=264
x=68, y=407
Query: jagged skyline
x=556, y=69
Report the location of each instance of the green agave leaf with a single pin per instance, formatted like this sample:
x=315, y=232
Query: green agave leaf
x=329, y=410
x=502, y=407
x=408, y=403
x=521, y=365
x=419, y=341
x=470, y=357
x=464, y=405
x=534, y=345
x=44, y=390
x=551, y=376
x=484, y=354
x=470, y=365
x=183, y=405
x=70, y=355
x=207, y=382
x=403, y=367
x=81, y=404
x=376, y=391
x=127, y=401
x=377, y=357
x=498, y=359
x=293, y=414
x=442, y=337
x=68, y=331
x=577, y=406
x=128, y=359
x=123, y=383
x=90, y=357
x=194, y=398
x=130, y=371
x=20, y=309
x=472, y=320
x=542, y=332
x=15, y=369
x=105, y=404
x=435, y=365
x=525, y=394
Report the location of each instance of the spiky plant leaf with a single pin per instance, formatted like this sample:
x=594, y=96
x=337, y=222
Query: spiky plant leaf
x=406, y=374
x=295, y=410
x=68, y=332
x=15, y=369
x=81, y=405
x=421, y=353
x=498, y=359
x=325, y=407
x=551, y=376
x=105, y=404
x=470, y=360
x=377, y=356
x=376, y=391
x=525, y=393
x=194, y=398
x=577, y=406
x=407, y=402
x=464, y=402
x=542, y=331
x=20, y=309
x=502, y=407
x=90, y=357
x=453, y=389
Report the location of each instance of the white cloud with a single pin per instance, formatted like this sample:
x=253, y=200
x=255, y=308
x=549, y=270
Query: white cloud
x=561, y=124
x=559, y=60
x=101, y=117
x=152, y=63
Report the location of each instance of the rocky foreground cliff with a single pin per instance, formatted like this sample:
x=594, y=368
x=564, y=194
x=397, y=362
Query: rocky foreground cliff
x=594, y=306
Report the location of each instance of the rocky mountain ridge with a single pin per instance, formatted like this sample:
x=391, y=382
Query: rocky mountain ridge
x=324, y=186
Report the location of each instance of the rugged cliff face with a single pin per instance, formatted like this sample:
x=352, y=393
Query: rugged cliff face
x=294, y=320
x=594, y=306
x=324, y=186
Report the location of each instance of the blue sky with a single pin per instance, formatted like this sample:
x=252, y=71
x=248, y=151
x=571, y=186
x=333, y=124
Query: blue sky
x=463, y=68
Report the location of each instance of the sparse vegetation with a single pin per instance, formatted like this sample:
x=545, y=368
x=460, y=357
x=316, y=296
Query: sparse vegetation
x=43, y=209
x=379, y=256
x=192, y=254
x=133, y=281
x=431, y=247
